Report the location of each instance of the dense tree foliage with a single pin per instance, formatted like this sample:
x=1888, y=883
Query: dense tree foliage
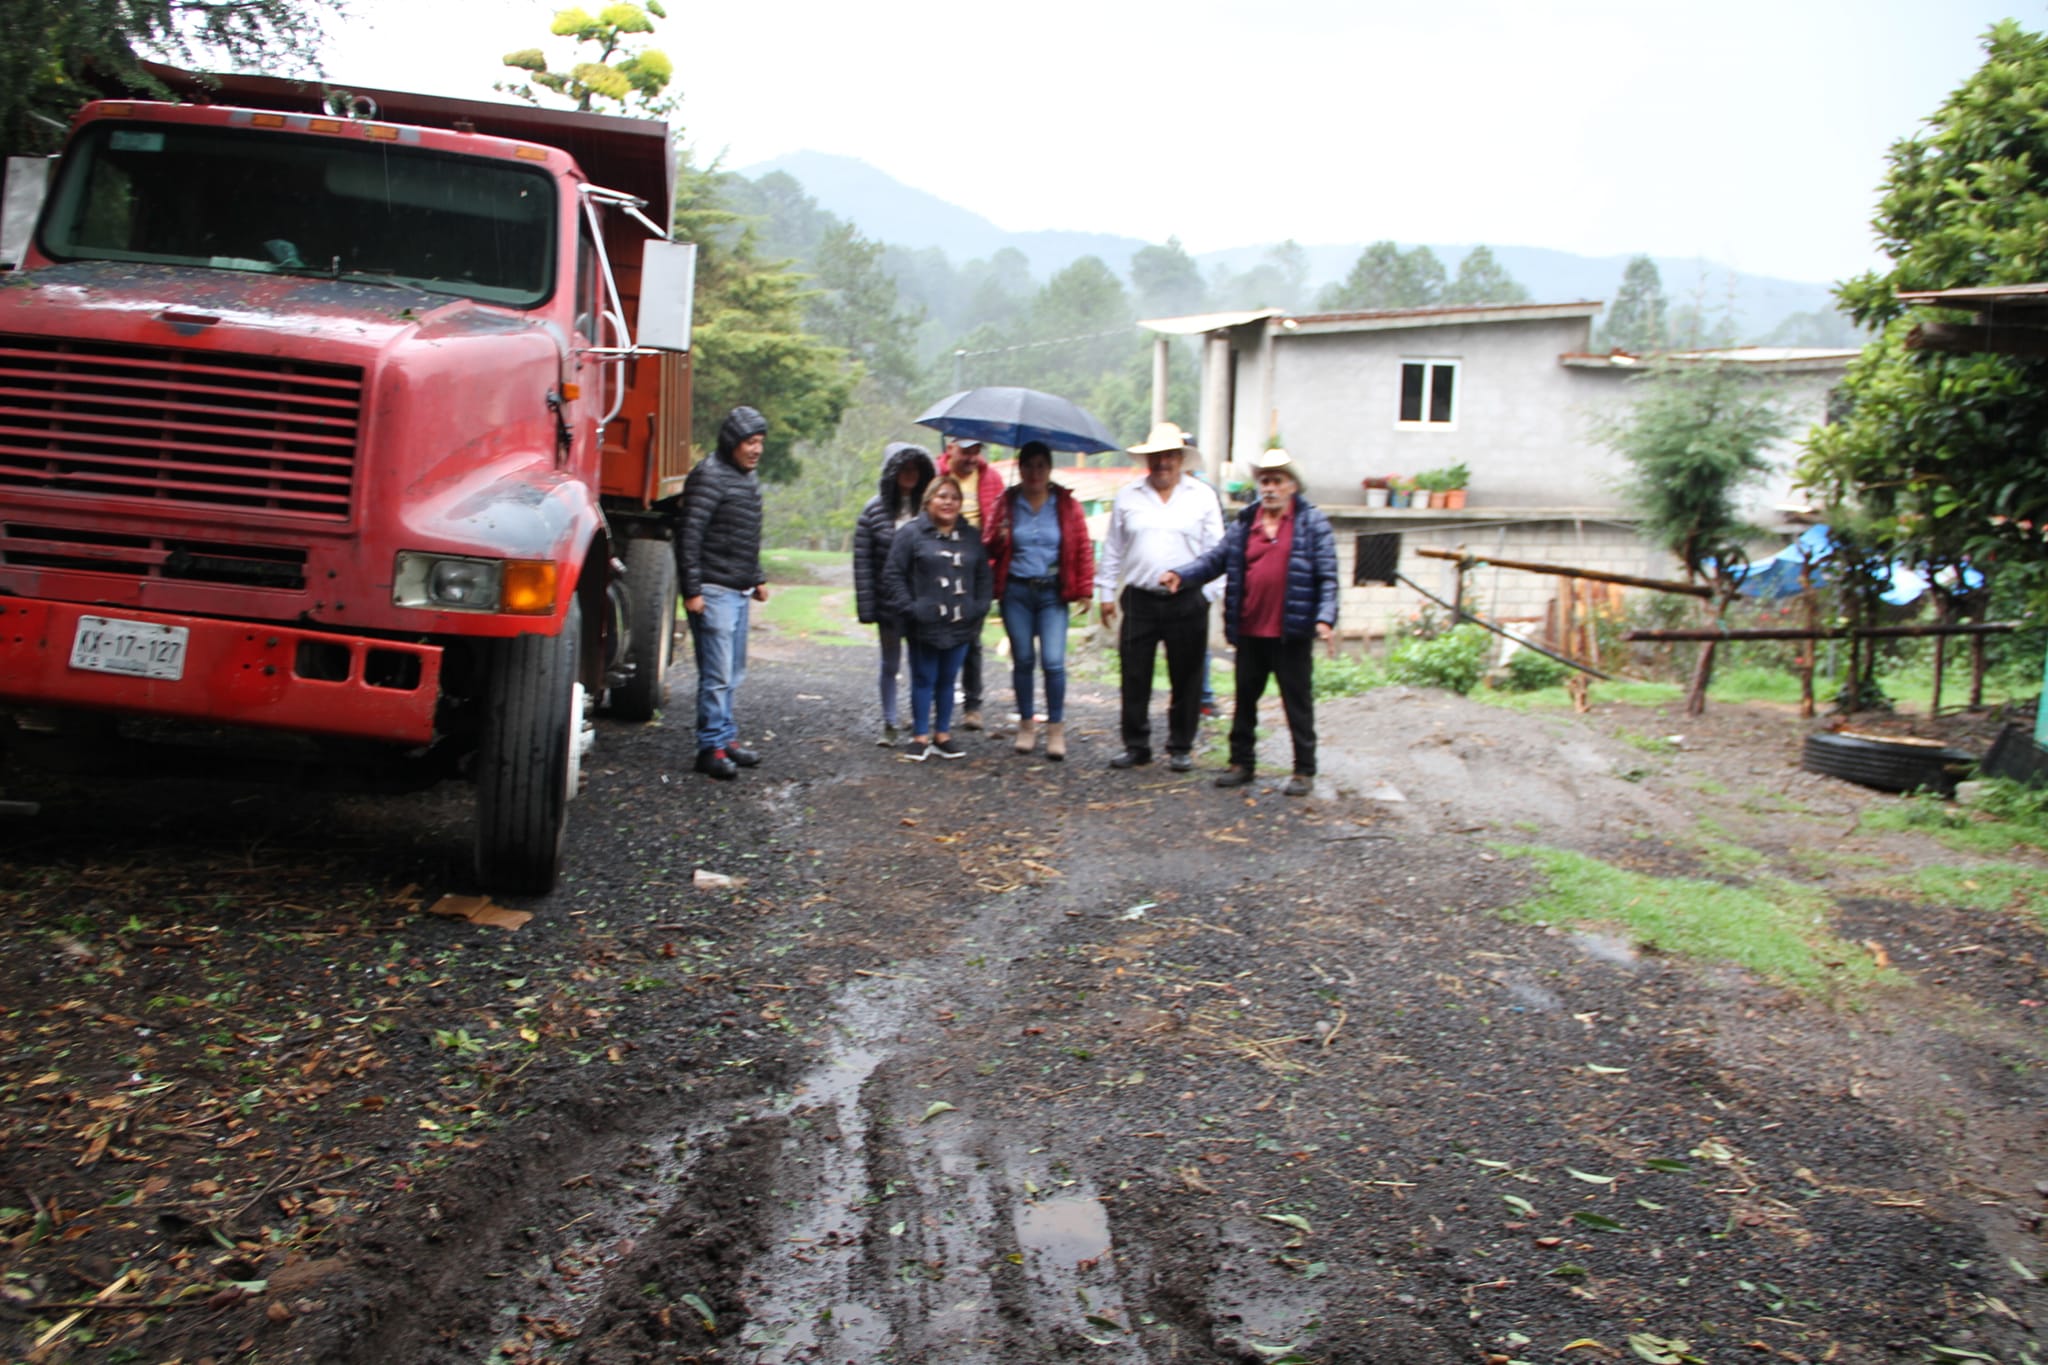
x=1384, y=276
x=624, y=70
x=1636, y=320
x=1166, y=281
x=752, y=343
x=1693, y=438
x=52, y=51
x=1946, y=455
x=1482, y=279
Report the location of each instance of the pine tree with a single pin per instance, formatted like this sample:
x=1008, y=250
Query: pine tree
x=1635, y=321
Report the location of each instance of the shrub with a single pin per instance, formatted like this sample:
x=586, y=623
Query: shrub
x=1528, y=671
x=1455, y=659
x=1347, y=675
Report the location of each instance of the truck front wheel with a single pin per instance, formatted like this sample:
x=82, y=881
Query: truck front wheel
x=651, y=604
x=527, y=762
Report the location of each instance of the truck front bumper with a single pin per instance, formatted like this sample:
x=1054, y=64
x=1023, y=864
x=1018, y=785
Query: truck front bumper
x=227, y=672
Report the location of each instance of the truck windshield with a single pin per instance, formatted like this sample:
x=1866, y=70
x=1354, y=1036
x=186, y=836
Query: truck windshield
x=233, y=199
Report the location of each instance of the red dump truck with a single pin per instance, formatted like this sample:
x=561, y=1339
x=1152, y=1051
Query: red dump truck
x=333, y=429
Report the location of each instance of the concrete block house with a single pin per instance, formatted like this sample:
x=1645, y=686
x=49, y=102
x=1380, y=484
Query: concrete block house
x=1508, y=391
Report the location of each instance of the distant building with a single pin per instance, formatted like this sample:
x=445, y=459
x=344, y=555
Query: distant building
x=1508, y=391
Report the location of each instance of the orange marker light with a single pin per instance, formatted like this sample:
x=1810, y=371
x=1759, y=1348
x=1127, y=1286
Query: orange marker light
x=378, y=132
x=530, y=153
x=572, y=392
x=268, y=120
x=325, y=125
x=529, y=588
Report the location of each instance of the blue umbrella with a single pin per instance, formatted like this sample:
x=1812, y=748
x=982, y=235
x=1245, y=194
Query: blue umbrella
x=1011, y=417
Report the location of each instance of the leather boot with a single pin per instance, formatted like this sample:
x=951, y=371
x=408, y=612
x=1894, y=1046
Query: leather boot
x=1056, y=740
x=1027, y=735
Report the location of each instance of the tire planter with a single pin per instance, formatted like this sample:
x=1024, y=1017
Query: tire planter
x=1885, y=763
x=528, y=759
x=651, y=609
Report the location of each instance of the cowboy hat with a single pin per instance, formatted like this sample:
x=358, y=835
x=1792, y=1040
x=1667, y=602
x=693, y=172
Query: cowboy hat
x=1275, y=461
x=1165, y=439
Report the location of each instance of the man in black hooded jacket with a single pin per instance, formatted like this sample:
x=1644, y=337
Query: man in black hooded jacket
x=718, y=558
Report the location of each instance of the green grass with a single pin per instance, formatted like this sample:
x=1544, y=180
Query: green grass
x=812, y=612
x=2009, y=817
x=802, y=566
x=1773, y=928
x=2001, y=887
x=1556, y=698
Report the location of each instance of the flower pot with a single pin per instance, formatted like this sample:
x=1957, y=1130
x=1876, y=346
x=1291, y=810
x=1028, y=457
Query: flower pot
x=1375, y=497
x=1436, y=499
x=1396, y=498
x=1454, y=497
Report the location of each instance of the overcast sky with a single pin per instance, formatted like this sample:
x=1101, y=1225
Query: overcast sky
x=1750, y=132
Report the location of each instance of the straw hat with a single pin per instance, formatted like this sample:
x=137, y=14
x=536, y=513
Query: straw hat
x=1164, y=439
x=1275, y=461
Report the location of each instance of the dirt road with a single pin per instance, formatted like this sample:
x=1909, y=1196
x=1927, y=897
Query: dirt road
x=1005, y=1061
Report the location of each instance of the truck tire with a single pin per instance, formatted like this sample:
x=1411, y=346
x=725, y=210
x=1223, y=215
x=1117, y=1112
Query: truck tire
x=1885, y=764
x=651, y=606
x=528, y=759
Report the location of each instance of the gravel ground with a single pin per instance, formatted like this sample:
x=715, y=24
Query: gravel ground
x=1012, y=1061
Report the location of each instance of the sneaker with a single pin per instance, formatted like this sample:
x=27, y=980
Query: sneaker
x=1181, y=763
x=1208, y=710
x=745, y=758
x=970, y=719
x=1131, y=758
x=890, y=737
x=946, y=748
x=1234, y=777
x=918, y=750
x=714, y=763
x=1301, y=784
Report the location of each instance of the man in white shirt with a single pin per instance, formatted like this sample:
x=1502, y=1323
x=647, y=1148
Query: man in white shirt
x=1156, y=524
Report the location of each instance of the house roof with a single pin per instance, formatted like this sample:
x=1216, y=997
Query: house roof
x=1785, y=359
x=1196, y=323
x=1376, y=320
x=1087, y=483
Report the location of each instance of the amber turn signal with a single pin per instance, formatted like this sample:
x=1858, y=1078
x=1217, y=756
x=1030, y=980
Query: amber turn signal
x=529, y=588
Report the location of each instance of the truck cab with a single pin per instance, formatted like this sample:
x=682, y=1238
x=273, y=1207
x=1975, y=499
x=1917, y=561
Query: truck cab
x=326, y=440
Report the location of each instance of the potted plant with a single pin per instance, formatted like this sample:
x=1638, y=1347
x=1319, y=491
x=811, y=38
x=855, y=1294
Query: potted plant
x=1375, y=486
x=1400, y=490
x=1442, y=483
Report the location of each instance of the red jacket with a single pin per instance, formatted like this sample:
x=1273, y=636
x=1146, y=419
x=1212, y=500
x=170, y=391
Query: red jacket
x=1077, y=552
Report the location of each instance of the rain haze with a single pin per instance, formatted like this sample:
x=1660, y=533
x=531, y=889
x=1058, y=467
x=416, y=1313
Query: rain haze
x=1751, y=134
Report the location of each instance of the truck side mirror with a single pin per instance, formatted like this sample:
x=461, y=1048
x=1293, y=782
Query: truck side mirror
x=28, y=179
x=668, y=291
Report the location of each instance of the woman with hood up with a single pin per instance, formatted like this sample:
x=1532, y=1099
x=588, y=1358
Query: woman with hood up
x=906, y=469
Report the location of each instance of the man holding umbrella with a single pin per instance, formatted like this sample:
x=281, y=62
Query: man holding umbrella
x=1157, y=524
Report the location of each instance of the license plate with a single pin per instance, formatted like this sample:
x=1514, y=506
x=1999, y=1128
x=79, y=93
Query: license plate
x=140, y=649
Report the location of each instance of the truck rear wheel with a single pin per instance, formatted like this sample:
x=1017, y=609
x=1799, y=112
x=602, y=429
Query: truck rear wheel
x=528, y=759
x=651, y=604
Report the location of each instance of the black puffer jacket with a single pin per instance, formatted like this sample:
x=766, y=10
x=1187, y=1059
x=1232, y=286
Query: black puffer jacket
x=937, y=585
x=719, y=540
x=877, y=524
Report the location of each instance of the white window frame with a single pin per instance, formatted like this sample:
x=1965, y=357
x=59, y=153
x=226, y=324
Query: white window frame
x=1429, y=364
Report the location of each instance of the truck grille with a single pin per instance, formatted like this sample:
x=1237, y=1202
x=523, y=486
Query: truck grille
x=195, y=429
x=143, y=556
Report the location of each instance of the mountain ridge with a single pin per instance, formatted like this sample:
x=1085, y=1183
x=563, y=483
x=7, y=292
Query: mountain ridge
x=888, y=211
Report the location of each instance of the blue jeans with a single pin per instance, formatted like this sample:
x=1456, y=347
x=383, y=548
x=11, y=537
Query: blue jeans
x=892, y=668
x=1036, y=621
x=719, y=633
x=932, y=672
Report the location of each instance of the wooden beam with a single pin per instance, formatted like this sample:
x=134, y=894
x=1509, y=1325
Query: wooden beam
x=1826, y=633
x=1963, y=339
x=1565, y=571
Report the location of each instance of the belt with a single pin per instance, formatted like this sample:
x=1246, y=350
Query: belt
x=1050, y=580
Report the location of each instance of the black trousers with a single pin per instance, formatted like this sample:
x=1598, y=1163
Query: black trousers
x=970, y=676
x=1293, y=662
x=1181, y=623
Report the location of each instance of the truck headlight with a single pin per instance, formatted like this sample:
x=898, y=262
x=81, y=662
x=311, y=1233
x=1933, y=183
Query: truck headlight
x=434, y=582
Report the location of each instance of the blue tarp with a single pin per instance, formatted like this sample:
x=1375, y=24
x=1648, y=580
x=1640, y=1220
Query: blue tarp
x=1778, y=576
